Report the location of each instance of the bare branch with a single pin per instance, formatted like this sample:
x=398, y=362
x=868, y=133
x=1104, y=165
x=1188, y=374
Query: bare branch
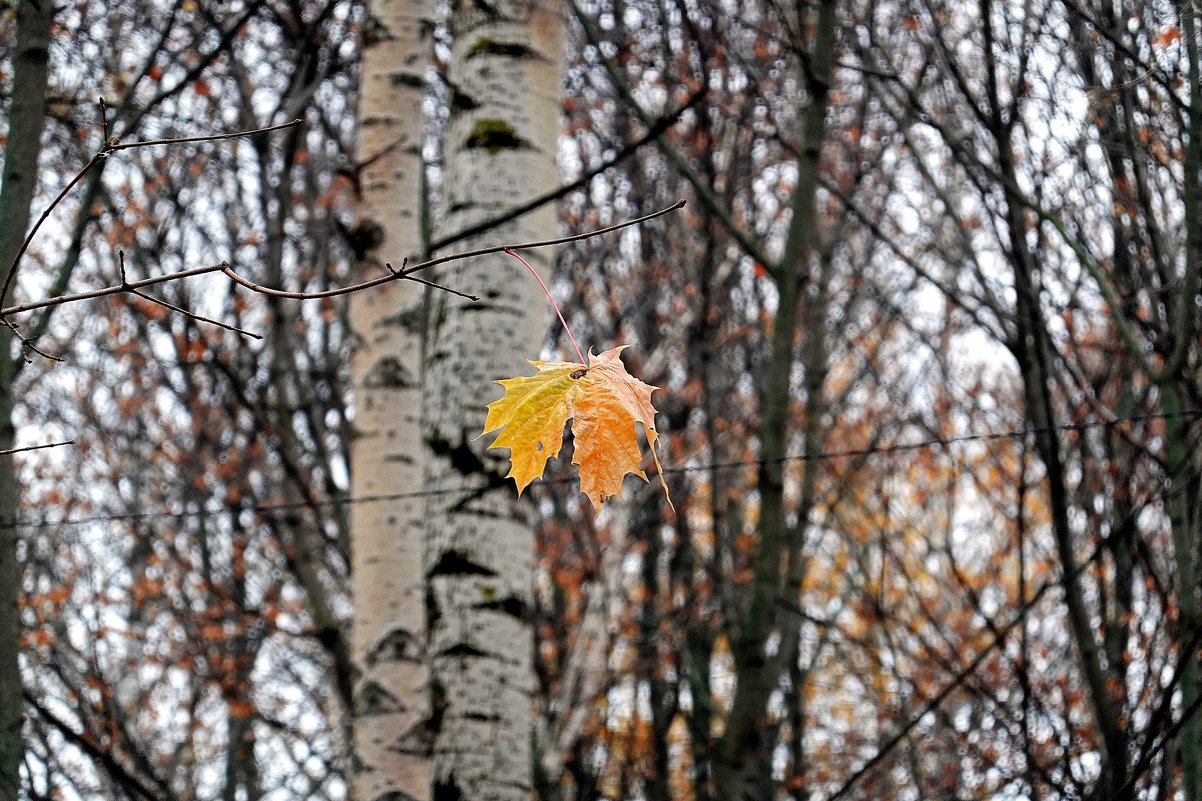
x=198, y=317
x=116, y=289
x=26, y=344
x=405, y=273
x=109, y=147
x=112, y=147
x=22, y=449
x=433, y=285
x=104, y=120
x=425, y=265
x=12, y=268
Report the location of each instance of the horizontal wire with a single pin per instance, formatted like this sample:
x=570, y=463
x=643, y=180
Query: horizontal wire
x=468, y=491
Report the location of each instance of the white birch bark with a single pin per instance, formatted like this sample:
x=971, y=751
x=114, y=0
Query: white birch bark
x=506, y=72
x=390, y=698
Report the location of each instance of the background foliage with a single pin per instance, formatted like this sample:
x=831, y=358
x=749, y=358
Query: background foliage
x=1004, y=238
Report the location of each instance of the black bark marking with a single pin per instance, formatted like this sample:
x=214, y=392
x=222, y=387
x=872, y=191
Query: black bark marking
x=494, y=307
x=410, y=319
x=416, y=740
x=461, y=101
x=433, y=610
x=395, y=795
x=457, y=563
x=511, y=605
x=463, y=649
x=463, y=459
x=407, y=79
x=438, y=708
x=484, y=716
x=398, y=645
x=447, y=789
x=374, y=31
x=375, y=700
x=488, y=9
x=363, y=238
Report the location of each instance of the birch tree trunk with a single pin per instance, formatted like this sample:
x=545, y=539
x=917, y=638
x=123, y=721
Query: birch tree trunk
x=26, y=121
x=506, y=75
x=389, y=713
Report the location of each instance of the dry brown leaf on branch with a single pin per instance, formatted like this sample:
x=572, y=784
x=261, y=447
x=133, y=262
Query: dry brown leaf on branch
x=604, y=403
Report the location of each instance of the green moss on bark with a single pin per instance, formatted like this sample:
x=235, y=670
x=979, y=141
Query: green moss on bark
x=494, y=135
x=491, y=47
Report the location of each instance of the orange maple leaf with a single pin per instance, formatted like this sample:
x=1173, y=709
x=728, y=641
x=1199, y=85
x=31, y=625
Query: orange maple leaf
x=603, y=401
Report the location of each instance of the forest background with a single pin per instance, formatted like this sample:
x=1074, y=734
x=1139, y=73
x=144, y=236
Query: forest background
x=927, y=338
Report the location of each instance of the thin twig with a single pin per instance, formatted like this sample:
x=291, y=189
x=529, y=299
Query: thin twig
x=406, y=273
x=107, y=148
x=115, y=146
x=116, y=289
x=131, y=783
x=439, y=287
x=9, y=451
x=195, y=316
x=424, y=282
x=12, y=268
x=26, y=344
x=425, y=265
x=198, y=317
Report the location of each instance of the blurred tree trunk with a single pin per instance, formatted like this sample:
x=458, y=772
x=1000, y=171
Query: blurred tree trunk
x=1033, y=354
x=743, y=761
x=386, y=452
x=1180, y=380
x=506, y=78
x=26, y=121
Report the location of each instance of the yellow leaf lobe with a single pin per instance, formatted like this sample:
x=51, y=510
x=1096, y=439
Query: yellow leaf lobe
x=605, y=404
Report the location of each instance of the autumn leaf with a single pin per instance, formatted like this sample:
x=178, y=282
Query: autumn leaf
x=604, y=403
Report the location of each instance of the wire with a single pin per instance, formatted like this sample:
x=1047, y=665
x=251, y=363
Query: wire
x=1190, y=414
x=929, y=443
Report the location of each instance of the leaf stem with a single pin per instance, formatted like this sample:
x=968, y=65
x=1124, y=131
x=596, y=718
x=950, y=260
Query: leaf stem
x=554, y=305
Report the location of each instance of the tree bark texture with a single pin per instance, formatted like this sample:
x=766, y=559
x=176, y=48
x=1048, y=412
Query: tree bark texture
x=388, y=642
x=26, y=121
x=506, y=73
